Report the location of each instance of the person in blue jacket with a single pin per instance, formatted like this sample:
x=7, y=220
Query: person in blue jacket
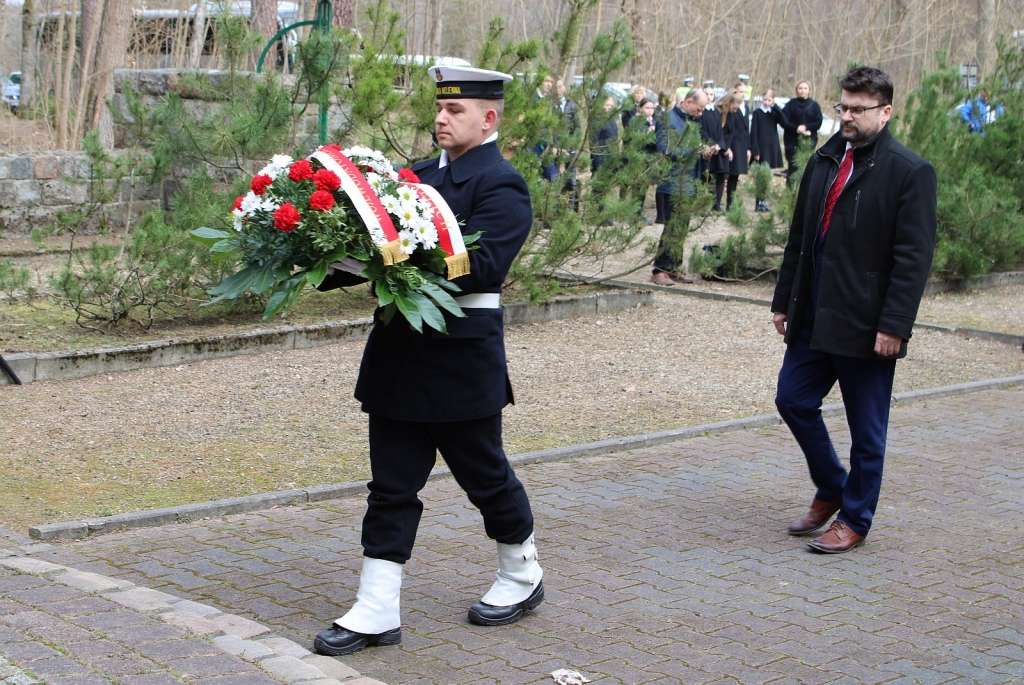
x=977, y=112
x=451, y=401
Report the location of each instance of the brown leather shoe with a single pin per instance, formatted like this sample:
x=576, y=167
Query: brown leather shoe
x=680, y=277
x=817, y=516
x=837, y=539
x=662, y=278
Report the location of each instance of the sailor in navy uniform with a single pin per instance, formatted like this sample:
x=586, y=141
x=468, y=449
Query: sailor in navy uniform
x=451, y=399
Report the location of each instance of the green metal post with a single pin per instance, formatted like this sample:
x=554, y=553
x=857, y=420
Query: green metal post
x=322, y=23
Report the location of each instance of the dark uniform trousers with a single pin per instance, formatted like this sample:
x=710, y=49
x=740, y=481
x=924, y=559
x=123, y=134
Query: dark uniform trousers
x=402, y=454
x=806, y=378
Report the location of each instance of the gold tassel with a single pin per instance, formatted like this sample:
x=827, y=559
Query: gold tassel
x=458, y=265
x=392, y=252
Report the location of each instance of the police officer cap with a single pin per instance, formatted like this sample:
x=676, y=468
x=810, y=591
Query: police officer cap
x=744, y=77
x=709, y=82
x=467, y=82
x=688, y=79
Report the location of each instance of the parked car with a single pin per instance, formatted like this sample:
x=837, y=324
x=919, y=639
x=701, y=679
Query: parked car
x=11, y=90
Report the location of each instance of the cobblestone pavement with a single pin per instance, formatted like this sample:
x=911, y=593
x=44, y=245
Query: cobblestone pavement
x=663, y=565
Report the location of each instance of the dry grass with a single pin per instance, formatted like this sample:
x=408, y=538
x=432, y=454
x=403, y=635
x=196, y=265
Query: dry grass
x=231, y=427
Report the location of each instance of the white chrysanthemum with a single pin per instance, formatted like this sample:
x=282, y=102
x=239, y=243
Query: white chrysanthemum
x=268, y=205
x=408, y=215
x=391, y=203
x=407, y=195
x=278, y=165
x=407, y=241
x=426, y=234
x=376, y=182
x=357, y=151
x=251, y=202
x=237, y=223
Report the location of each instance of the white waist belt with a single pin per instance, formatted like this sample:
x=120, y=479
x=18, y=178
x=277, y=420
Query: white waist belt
x=479, y=301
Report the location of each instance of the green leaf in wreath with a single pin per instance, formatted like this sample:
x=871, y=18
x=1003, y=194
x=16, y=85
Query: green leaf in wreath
x=443, y=299
x=430, y=314
x=209, y=236
x=316, y=275
x=284, y=296
x=410, y=311
x=234, y=285
x=468, y=240
x=266, y=277
x=389, y=313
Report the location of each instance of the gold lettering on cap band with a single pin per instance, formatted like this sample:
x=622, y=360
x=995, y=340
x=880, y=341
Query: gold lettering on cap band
x=448, y=90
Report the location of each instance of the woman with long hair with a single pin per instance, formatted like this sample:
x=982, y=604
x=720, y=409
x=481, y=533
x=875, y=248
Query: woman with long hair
x=801, y=119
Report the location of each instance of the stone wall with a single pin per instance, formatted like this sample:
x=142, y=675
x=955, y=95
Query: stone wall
x=35, y=187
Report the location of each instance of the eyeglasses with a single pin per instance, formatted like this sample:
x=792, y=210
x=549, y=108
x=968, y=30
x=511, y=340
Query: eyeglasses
x=855, y=112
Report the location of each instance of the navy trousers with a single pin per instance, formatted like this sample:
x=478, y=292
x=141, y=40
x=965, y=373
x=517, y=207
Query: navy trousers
x=402, y=453
x=806, y=378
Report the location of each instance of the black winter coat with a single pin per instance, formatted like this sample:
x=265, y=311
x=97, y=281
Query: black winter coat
x=878, y=252
x=737, y=134
x=711, y=125
x=461, y=375
x=764, y=136
x=796, y=112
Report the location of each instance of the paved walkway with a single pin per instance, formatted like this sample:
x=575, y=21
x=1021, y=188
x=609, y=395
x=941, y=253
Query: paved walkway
x=663, y=565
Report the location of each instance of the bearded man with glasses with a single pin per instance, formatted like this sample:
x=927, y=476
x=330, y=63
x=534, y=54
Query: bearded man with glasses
x=854, y=270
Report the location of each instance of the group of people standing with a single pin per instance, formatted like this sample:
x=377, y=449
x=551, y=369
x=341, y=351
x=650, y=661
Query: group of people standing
x=734, y=130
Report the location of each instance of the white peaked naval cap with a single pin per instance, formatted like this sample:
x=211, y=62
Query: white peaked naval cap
x=468, y=82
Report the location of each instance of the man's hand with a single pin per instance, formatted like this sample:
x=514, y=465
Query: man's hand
x=748, y=156
x=757, y=158
x=887, y=345
x=728, y=154
x=779, y=319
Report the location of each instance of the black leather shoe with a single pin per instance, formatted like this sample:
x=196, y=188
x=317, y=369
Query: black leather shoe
x=487, y=615
x=336, y=641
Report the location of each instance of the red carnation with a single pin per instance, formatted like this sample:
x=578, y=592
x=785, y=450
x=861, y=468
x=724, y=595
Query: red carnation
x=325, y=179
x=300, y=171
x=408, y=175
x=286, y=217
x=238, y=203
x=321, y=200
x=260, y=184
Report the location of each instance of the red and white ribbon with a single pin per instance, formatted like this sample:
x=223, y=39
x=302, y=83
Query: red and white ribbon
x=366, y=202
x=449, y=237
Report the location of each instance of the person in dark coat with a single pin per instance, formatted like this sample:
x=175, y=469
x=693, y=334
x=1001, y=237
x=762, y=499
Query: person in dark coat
x=854, y=269
x=737, y=132
x=728, y=106
x=711, y=129
x=605, y=138
x=801, y=119
x=682, y=178
x=642, y=134
x=764, y=138
x=451, y=400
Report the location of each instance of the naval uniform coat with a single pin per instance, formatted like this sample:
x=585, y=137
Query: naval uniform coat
x=462, y=375
x=876, y=256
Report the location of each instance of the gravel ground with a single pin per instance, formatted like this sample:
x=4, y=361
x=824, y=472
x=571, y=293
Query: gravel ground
x=221, y=428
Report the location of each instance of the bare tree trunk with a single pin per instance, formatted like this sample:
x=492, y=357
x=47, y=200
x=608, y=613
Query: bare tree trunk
x=198, y=35
x=264, y=22
x=64, y=135
x=986, y=35
x=343, y=15
x=92, y=10
x=28, y=56
x=115, y=28
x=435, y=13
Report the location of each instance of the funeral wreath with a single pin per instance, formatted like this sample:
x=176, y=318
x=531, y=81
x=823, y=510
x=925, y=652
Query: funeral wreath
x=347, y=209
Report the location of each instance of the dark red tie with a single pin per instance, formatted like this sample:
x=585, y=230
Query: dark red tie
x=837, y=187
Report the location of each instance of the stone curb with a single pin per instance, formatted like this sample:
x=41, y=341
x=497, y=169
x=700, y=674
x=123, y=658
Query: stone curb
x=321, y=493
x=41, y=366
x=1008, y=338
x=280, y=658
